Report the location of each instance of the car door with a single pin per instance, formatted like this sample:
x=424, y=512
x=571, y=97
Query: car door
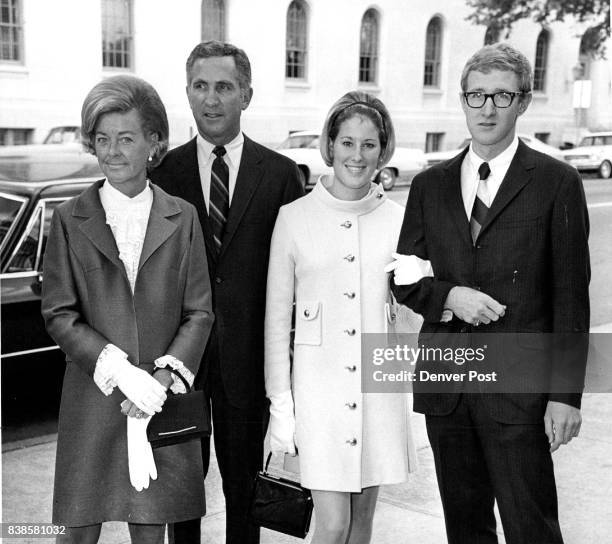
x=23, y=330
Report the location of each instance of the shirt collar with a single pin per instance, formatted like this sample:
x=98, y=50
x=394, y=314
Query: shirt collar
x=233, y=149
x=501, y=162
x=113, y=196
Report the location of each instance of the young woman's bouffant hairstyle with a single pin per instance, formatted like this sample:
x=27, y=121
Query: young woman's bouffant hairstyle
x=358, y=103
x=120, y=94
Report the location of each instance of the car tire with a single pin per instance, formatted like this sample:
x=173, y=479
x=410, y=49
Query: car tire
x=605, y=170
x=387, y=178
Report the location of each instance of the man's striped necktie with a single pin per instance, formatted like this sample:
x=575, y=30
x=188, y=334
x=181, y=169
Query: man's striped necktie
x=481, y=208
x=219, y=195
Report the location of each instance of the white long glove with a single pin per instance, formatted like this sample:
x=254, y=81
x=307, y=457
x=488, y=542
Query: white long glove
x=137, y=385
x=140, y=455
x=408, y=269
x=282, y=423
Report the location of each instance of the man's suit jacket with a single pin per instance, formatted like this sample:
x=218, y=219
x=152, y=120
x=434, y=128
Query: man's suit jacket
x=531, y=255
x=266, y=180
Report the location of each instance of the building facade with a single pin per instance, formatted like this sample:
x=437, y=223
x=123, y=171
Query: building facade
x=305, y=54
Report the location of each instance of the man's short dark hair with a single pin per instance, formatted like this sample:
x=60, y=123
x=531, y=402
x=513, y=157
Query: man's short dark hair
x=214, y=48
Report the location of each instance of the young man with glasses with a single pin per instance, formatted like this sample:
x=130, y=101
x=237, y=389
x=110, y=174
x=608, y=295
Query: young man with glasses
x=505, y=229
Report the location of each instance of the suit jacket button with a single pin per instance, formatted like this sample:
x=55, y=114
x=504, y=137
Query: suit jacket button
x=306, y=313
x=218, y=280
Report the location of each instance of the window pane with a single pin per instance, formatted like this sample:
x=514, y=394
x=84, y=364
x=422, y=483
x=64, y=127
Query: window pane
x=296, y=47
x=213, y=20
x=24, y=259
x=10, y=31
x=9, y=210
x=368, y=48
x=433, y=53
x=117, y=33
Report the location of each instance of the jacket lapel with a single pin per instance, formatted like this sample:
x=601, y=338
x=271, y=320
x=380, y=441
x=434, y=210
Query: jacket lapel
x=94, y=227
x=249, y=176
x=518, y=175
x=191, y=184
x=159, y=229
x=454, y=198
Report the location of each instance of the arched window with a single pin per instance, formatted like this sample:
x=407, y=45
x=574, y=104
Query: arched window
x=491, y=35
x=585, y=53
x=433, y=53
x=213, y=20
x=297, y=40
x=541, y=61
x=368, y=47
x=117, y=34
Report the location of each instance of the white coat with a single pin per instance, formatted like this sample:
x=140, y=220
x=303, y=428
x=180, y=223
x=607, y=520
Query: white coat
x=330, y=254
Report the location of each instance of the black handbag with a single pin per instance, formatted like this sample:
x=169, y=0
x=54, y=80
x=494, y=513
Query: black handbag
x=183, y=417
x=280, y=504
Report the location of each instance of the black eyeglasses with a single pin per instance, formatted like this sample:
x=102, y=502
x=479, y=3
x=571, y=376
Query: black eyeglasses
x=502, y=99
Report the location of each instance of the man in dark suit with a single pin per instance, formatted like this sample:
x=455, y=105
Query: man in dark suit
x=505, y=229
x=237, y=187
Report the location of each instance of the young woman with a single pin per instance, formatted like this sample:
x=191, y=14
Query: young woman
x=126, y=296
x=328, y=253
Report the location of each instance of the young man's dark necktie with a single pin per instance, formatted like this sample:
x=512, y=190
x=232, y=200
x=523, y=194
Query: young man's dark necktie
x=480, y=209
x=219, y=195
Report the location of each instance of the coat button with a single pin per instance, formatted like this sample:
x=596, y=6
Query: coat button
x=351, y=405
x=350, y=332
x=306, y=313
x=352, y=441
x=350, y=258
x=346, y=224
x=218, y=280
x=350, y=295
x=351, y=368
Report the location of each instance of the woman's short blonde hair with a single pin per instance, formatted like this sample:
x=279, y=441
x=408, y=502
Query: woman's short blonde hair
x=364, y=105
x=120, y=94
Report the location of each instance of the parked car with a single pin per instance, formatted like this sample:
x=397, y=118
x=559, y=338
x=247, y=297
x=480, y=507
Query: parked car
x=303, y=148
x=439, y=156
x=593, y=154
x=32, y=365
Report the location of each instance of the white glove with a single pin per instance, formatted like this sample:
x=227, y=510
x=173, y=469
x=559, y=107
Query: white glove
x=140, y=455
x=137, y=385
x=408, y=269
x=282, y=423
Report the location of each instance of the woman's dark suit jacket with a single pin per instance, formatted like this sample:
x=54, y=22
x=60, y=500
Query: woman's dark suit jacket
x=87, y=303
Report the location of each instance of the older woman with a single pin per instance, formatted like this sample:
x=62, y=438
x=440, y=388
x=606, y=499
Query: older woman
x=329, y=250
x=126, y=296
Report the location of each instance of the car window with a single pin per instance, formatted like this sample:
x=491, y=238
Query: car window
x=28, y=255
x=11, y=208
x=586, y=142
x=608, y=140
x=299, y=142
x=314, y=144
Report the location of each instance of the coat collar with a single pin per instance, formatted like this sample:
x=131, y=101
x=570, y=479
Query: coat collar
x=518, y=175
x=94, y=227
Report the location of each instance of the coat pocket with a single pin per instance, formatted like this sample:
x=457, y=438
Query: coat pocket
x=308, y=322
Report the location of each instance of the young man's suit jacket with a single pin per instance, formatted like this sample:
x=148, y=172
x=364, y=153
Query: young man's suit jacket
x=266, y=180
x=531, y=255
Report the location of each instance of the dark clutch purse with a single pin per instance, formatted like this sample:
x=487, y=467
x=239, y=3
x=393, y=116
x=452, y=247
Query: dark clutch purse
x=280, y=504
x=183, y=417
